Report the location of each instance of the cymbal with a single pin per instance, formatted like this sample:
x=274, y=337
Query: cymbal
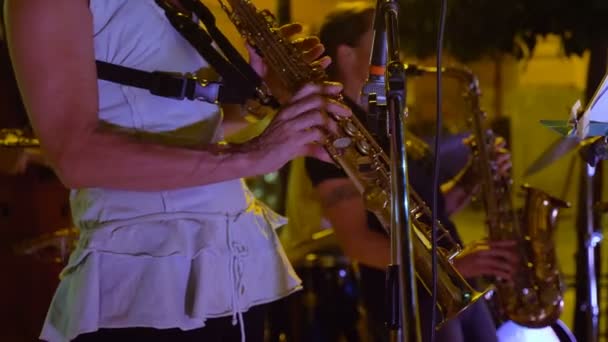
x=16, y=138
x=557, y=150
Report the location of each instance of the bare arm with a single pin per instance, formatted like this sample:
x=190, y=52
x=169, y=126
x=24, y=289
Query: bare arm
x=343, y=206
x=51, y=44
x=459, y=190
x=456, y=198
x=466, y=184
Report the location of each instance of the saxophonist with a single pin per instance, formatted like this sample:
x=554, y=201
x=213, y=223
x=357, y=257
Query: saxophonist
x=172, y=247
x=347, y=36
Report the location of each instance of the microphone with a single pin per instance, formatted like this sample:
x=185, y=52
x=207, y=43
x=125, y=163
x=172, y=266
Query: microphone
x=375, y=83
x=374, y=90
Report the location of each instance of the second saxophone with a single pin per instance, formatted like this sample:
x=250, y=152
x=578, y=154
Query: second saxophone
x=536, y=297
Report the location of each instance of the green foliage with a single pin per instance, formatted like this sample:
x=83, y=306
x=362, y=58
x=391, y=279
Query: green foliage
x=478, y=28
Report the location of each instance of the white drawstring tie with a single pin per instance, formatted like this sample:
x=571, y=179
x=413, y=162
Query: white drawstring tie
x=237, y=253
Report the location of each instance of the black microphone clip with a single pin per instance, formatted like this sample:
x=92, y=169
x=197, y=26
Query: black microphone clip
x=594, y=150
x=375, y=83
x=374, y=89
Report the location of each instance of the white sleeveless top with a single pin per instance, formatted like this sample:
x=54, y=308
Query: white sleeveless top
x=167, y=259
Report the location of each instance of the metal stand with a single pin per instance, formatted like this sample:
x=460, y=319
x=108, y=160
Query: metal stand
x=586, y=320
x=401, y=278
x=586, y=317
x=588, y=258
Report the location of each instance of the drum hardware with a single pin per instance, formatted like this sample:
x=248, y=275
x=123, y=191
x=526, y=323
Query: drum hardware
x=54, y=247
x=327, y=308
x=588, y=223
x=16, y=138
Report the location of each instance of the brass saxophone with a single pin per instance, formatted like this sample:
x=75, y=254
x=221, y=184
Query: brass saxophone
x=360, y=157
x=536, y=297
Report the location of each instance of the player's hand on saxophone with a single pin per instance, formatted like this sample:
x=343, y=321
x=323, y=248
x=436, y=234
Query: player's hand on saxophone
x=311, y=48
x=494, y=258
x=502, y=158
x=501, y=162
x=299, y=128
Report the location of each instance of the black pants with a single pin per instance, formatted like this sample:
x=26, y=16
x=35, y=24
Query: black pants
x=215, y=330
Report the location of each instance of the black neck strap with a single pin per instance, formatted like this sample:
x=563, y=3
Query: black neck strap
x=205, y=16
x=239, y=81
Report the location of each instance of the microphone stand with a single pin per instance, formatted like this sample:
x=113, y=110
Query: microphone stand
x=587, y=314
x=402, y=322
x=586, y=320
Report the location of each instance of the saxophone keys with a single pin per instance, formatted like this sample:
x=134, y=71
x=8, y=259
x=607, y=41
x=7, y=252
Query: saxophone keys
x=528, y=296
x=350, y=129
x=318, y=73
x=416, y=210
x=365, y=168
x=268, y=16
x=368, y=169
x=342, y=143
x=363, y=146
x=375, y=198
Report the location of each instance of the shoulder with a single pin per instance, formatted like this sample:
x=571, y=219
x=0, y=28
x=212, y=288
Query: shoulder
x=40, y=7
x=33, y=17
x=140, y=12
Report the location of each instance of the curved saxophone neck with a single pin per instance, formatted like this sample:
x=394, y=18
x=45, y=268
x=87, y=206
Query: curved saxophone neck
x=462, y=74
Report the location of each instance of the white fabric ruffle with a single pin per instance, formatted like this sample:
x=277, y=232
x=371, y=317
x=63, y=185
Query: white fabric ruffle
x=154, y=271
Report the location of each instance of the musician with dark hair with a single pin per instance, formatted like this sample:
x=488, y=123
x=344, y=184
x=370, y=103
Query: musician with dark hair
x=172, y=247
x=347, y=36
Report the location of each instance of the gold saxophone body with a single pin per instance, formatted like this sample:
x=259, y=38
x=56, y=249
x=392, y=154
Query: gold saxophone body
x=361, y=158
x=536, y=297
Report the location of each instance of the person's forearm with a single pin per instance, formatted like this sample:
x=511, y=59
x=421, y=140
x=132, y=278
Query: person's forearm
x=113, y=161
x=343, y=206
x=459, y=191
x=456, y=199
x=371, y=249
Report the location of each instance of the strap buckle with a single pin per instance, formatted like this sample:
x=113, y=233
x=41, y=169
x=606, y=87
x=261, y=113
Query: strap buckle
x=185, y=86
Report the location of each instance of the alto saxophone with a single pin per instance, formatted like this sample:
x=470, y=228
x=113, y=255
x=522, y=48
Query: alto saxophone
x=536, y=297
x=360, y=156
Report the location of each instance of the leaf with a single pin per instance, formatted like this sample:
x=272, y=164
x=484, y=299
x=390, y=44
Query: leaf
x=478, y=28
